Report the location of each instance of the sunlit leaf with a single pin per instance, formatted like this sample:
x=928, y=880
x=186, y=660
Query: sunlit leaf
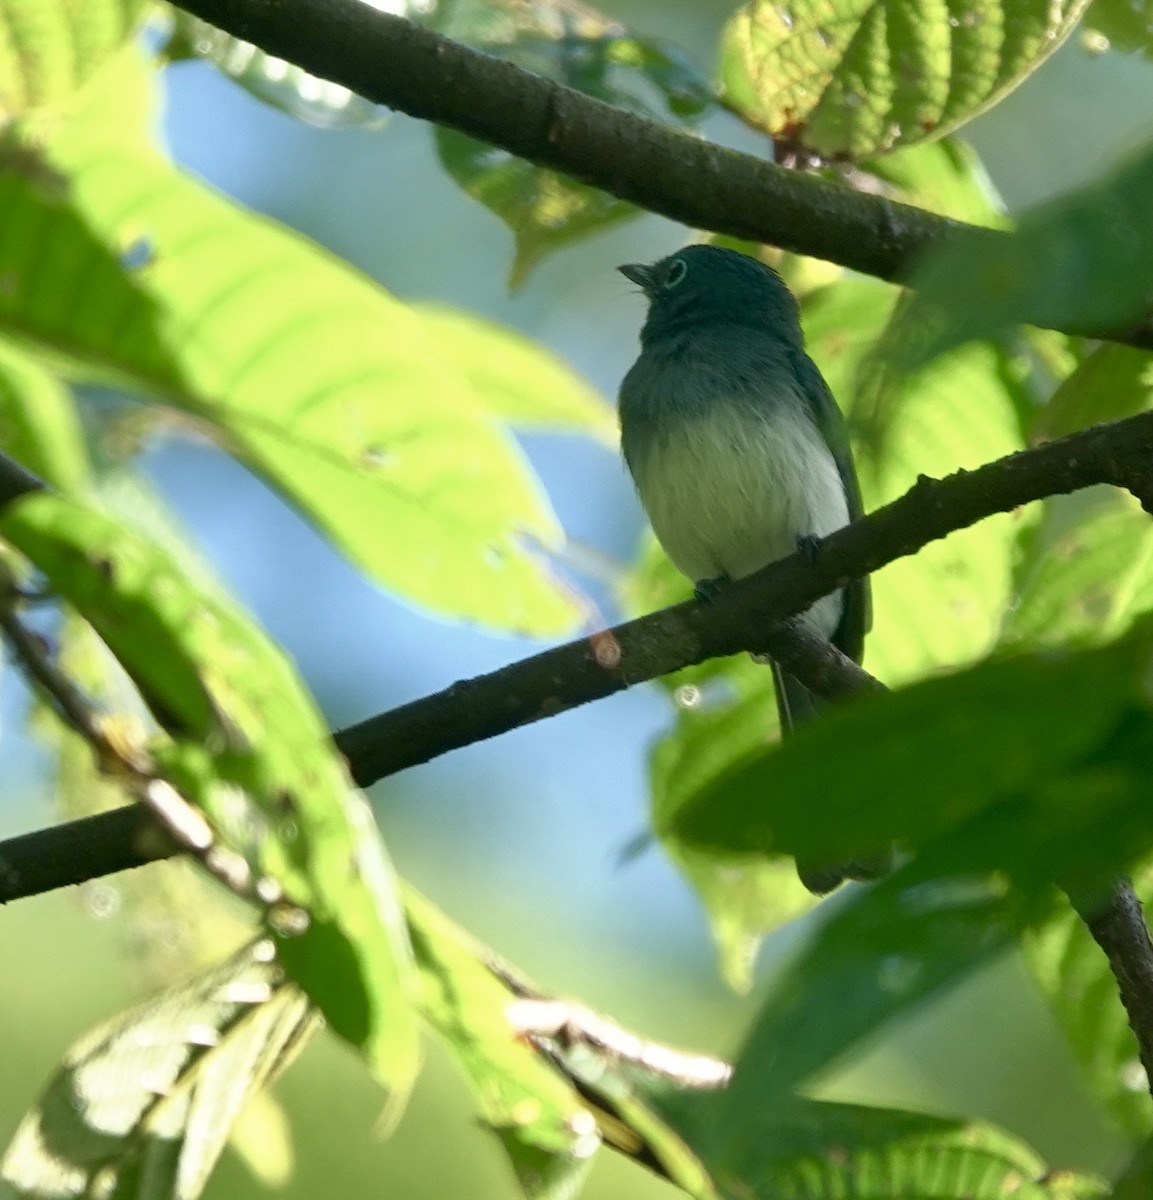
x=48, y=49
x=544, y=1126
x=524, y=383
x=143, y=1106
x=943, y=606
x=809, y=1149
x=249, y=747
x=319, y=380
x=945, y=177
x=39, y=426
x=857, y=77
x=1085, y=570
x=1110, y=383
x=141, y=284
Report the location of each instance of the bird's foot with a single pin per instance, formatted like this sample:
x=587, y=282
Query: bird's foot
x=809, y=547
x=707, y=590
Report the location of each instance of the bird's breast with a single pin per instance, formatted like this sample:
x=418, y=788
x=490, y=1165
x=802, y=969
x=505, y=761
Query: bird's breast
x=730, y=485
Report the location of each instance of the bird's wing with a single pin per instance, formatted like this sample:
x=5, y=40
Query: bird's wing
x=858, y=615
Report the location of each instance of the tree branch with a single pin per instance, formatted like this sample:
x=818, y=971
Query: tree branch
x=742, y=616
x=1119, y=929
x=391, y=61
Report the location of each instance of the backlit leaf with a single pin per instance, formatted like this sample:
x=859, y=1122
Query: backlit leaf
x=851, y=78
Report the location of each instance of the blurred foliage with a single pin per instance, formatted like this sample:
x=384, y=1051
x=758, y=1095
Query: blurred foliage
x=1012, y=761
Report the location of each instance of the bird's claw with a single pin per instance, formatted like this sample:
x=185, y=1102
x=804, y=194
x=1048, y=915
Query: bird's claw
x=707, y=590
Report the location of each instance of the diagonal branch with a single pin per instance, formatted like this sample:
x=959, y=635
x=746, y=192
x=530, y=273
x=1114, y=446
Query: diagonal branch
x=743, y=616
x=391, y=61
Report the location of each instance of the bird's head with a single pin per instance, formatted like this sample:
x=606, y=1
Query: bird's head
x=708, y=285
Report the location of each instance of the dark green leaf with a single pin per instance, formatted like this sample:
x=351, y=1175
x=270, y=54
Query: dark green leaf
x=1039, y=787
x=1128, y=24
x=580, y=47
x=1136, y=1183
x=1082, y=263
x=859, y=77
x=544, y=210
x=883, y=950
x=721, y=720
x=142, y=1107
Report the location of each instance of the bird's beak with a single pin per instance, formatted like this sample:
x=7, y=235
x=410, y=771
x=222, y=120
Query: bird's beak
x=641, y=275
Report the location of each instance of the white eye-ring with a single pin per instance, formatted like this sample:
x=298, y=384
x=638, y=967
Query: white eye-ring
x=678, y=269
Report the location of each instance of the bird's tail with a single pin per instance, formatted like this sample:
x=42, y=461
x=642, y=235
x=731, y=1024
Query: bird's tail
x=795, y=705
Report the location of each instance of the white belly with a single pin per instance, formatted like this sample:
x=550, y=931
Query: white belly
x=732, y=491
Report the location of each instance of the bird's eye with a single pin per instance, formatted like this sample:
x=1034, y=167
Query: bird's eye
x=678, y=269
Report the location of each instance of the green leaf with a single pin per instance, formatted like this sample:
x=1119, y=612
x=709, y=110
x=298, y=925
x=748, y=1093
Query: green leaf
x=1086, y=567
x=945, y=177
x=723, y=712
x=944, y=606
x=723, y=719
x=544, y=210
x=1137, y=1180
x=1110, y=383
x=143, y=1105
x=250, y=748
x=1128, y=24
x=812, y=1150
x=1081, y=263
x=547, y=1130
x=1075, y=978
x=523, y=382
x=49, y=48
x=582, y=49
x=39, y=426
x=1085, y=571
x=884, y=950
x=313, y=376
x=858, y=77
x=1055, y=792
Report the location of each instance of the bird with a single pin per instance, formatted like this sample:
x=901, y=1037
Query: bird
x=738, y=451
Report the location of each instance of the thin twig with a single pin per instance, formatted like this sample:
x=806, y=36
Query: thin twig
x=1120, y=930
